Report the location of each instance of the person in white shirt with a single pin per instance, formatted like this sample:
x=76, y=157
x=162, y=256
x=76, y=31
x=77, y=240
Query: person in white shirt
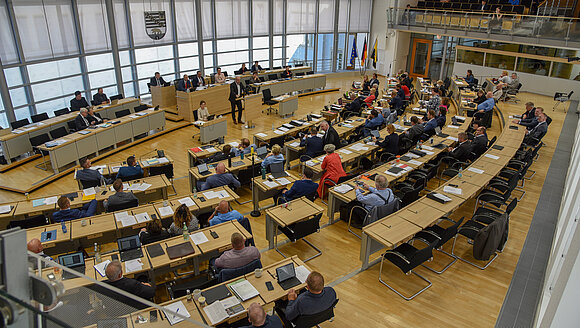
x=202, y=112
x=219, y=76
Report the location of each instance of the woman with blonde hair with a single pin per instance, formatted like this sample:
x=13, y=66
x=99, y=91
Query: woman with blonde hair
x=391, y=142
x=274, y=157
x=181, y=217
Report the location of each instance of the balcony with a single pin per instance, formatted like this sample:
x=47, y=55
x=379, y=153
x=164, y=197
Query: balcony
x=561, y=32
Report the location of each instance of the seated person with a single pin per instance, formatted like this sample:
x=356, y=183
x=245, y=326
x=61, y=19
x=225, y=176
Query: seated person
x=379, y=196
x=316, y=299
x=100, y=98
x=198, y=80
x=259, y=319
x=287, y=72
x=66, y=213
x=391, y=142
x=415, y=130
x=313, y=143
x=220, y=178
x=480, y=97
x=131, y=170
x=504, y=78
x=94, y=118
x=514, y=82
x=183, y=217
x=245, y=147
x=90, y=175
x=219, y=76
x=239, y=255
x=184, y=84
x=304, y=187
x=274, y=157
x=354, y=107
x=120, y=196
x=114, y=272
x=78, y=102
x=202, y=112
x=469, y=78
x=462, y=148
x=220, y=156
x=366, y=84
x=531, y=122
x=540, y=130
x=223, y=213
x=442, y=90
x=36, y=247
x=479, y=142
x=474, y=125
x=333, y=169
x=406, y=80
x=256, y=67
x=441, y=119
x=371, y=98
x=154, y=232
x=396, y=102
x=530, y=111
x=429, y=127
x=81, y=120
x=485, y=106
x=375, y=80
x=243, y=69
x=374, y=120
x=406, y=91
x=434, y=102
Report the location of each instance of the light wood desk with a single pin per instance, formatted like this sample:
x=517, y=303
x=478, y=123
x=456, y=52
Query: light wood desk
x=163, y=96
x=238, y=165
x=252, y=109
x=268, y=274
x=212, y=130
x=163, y=323
x=62, y=238
x=297, y=210
x=98, y=229
x=261, y=191
x=287, y=105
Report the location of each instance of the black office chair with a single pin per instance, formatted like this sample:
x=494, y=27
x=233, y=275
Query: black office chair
x=311, y=320
x=116, y=97
x=300, y=230
x=272, y=77
x=268, y=100
x=166, y=169
x=32, y=222
x=228, y=274
x=95, y=103
x=407, y=257
x=20, y=123
x=132, y=177
x=58, y=132
x=72, y=127
x=140, y=108
x=39, y=117
x=439, y=236
x=90, y=183
x=37, y=141
x=177, y=289
x=123, y=206
x=61, y=112
x=121, y=113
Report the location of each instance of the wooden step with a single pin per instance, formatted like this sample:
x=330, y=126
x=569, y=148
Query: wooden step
x=171, y=109
x=173, y=117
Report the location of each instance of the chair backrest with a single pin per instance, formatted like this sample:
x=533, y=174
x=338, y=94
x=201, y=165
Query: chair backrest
x=449, y=233
x=132, y=177
x=121, y=113
x=421, y=256
x=165, y=169
x=228, y=274
x=122, y=206
x=39, y=139
x=311, y=320
x=512, y=205
x=58, y=133
x=379, y=212
x=140, y=108
x=61, y=112
x=89, y=183
x=304, y=228
x=492, y=141
x=245, y=222
x=35, y=221
x=266, y=94
x=71, y=126
x=195, y=116
x=39, y=117
x=272, y=77
x=19, y=123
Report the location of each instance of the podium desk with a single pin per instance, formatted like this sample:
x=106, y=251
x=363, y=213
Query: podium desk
x=215, y=96
x=212, y=130
x=287, y=105
x=252, y=108
x=163, y=96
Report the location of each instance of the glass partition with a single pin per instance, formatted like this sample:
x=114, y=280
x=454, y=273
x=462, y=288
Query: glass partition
x=500, y=61
x=470, y=57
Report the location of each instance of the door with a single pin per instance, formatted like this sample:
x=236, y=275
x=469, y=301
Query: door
x=420, y=58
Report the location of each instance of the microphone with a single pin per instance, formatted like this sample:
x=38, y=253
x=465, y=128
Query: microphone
x=151, y=152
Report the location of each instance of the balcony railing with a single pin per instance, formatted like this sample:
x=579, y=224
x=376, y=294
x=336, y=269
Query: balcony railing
x=563, y=29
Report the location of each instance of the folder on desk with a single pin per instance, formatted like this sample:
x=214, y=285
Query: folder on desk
x=417, y=152
x=215, y=294
x=438, y=197
x=497, y=147
x=180, y=250
x=440, y=146
x=514, y=127
x=196, y=149
x=155, y=250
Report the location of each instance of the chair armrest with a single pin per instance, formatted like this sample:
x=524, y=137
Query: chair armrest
x=397, y=254
x=357, y=206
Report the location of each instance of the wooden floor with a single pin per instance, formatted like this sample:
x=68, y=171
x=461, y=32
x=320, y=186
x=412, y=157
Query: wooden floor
x=462, y=296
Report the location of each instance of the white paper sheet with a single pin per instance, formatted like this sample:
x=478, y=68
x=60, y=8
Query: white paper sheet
x=120, y=215
x=179, y=308
x=343, y=188
x=234, y=144
x=215, y=312
x=283, y=128
x=452, y=190
x=283, y=181
x=271, y=184
x=414, y=162
x=294, y=144
x=5, y=209
x=345, y=151
x=142, y=217
x=211, y=150
x=133, y=265
x=302, y=273
x=89, y=191
x=453, y=126
x=101, y=267
x=427, y=147
x=128, y=221
x=187, y=201
x=144, y=186
x=261, y=134
x=278, y=132
x=474, y=170
x=452, y=138
x=165, y=211
x=198, y=238
x=491, y=156
x=51, y=200
x=163, y=160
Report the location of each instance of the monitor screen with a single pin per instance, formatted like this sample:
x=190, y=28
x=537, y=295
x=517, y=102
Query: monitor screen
x=71, y=260
x=276, y=167
x=202, y=168
x=128, y=243
x=262, y=150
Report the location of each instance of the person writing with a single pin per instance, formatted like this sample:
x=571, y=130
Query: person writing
x=202, y=111
x=219, y=76
x=94, y=118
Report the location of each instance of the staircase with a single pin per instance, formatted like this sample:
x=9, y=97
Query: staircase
x=171, y=114
x=561, y=8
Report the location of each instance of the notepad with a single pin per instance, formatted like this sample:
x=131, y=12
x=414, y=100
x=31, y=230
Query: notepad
x=120, y=215
x=243, y=289
x=452, y=190
x=271, y=184
x=261, y=134
x=345, y=151
x=38, y=202
x=475, y=170
x=133, y=265
x=89, y=191
x=198, y=238
x=127, y=221
x=142, y=217
x=294, y=144
x=5, y=209
x=100, y=268
x=491, y=156
x=175, y=308
x=452, y=138
x=165, y=211
x=187, y=201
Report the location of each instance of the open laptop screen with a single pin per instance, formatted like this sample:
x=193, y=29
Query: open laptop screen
x=128, y=243
x=285, y=272
x=262, y=150
x=72, y=260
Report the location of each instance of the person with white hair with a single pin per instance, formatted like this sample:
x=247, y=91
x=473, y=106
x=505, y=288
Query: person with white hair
x=82, y=121
x=114, y=272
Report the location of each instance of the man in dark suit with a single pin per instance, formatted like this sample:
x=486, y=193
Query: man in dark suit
x=541, y=129
x=82, y=120
x=120, y=196
x=157, y=80
x=236, y=91
x=198, y=81
x=66, y=213
x=415, y=130
x=479, y=143
x=484, y=6
x=256, y=67
x=304, y=187
x=184, y=84
x=330, y=135
x=313, y=143
x=374, y=80
x=100, y=98
x=461, y=152
x=287, y=72
x=396, y=102
x=114, y=272
x=78, y=102
x=88, y=174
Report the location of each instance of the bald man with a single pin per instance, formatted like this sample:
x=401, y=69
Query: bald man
x=35, y=246
x=259, y=319
x=114, y=272
x=220, y=178
x=222, y=214
x=316, y=299
x=239, y=255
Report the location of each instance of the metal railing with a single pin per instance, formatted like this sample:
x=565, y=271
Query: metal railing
x=540, y=27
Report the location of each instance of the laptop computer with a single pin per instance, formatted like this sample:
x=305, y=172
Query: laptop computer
x=74, y=261
x=376, y=134
x=129, y=248
x=439, y=133
x=211, y=117
x=277, y=170
x=454, y=121
x=287, y=276
x=202, y=169
x=262, y=152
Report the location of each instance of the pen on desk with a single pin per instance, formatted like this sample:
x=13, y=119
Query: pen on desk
x=161, y=314
x=175, y=313
x=271, y=274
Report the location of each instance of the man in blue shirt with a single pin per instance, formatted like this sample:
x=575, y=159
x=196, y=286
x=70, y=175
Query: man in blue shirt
x=316, y=299
x=381, y=195
x=304, y=187
x=223, y=214
x=431, y=124
x=66, y=214
x=314, y=144
x=245, y=147
x=131, y=170
x=374, y=120
x=487, y=105
x=88, y=174
x=220, y=178
x=259, y=319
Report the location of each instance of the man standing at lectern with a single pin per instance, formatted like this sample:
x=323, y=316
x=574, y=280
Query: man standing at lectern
x=235, y=93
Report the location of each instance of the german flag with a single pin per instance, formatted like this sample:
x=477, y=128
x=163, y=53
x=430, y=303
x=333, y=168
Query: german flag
x=363, y=57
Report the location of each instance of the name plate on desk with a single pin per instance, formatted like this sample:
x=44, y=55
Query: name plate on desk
x=95, y=235
x=178, y=263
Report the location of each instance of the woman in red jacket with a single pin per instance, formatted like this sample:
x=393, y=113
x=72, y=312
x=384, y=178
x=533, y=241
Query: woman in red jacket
x=332, y=165
x=371, y=98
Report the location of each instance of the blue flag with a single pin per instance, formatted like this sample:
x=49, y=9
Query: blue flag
x=354, y=53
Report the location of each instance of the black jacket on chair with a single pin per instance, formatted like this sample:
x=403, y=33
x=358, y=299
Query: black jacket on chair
x=479, y=144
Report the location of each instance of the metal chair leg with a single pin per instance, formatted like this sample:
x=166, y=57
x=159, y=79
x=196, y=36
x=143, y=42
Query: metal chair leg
x=315, y=248
x=448, y=265
x=466, y=261
x=396, y=291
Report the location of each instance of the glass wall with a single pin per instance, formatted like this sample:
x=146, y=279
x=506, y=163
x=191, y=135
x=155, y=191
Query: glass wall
x=67, y=45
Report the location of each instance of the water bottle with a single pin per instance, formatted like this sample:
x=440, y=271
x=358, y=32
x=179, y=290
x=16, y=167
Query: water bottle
x=189, y=298
x=263, y=173
x=420, y=144
x=194, y=192
x=63, y=226
x=431, y=141
x=272, y=126
x=97, y=254
x=242, y=155
x=27, y=196
x=185, y=231
x=460, y=173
